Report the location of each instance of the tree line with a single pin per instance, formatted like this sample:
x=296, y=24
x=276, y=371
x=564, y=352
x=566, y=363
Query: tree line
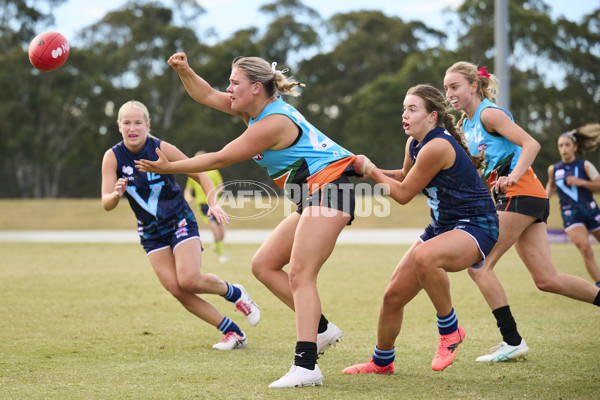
x=357, y=66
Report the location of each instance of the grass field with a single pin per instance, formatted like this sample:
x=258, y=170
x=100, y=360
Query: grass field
x=91, y=321
x=83, y=214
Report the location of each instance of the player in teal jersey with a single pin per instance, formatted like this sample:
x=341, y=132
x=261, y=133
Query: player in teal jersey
x=521, y=202
x=313, y=170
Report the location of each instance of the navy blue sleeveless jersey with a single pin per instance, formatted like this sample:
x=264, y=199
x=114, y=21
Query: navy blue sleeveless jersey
x=456, y=193
x=572, y=196
x=155, y=199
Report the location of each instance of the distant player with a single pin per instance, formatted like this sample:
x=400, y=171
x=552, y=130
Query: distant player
x=193, y=193
x=575, y=180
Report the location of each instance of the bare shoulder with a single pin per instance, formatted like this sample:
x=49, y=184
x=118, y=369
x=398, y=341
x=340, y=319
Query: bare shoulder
x=109, y=155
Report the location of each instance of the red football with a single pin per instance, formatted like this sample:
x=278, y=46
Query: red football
x=48, y=51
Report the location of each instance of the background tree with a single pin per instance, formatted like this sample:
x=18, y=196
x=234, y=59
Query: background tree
x=55, y=126
x=554, y=75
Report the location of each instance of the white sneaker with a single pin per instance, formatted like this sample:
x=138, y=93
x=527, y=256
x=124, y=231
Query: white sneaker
x=329, y=338
x=505, y=352
x=231, y=341
x=298, y=377
x=247, y=306
x=223, y=258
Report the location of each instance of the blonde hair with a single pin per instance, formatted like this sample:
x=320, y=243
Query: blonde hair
x=138, y=106
x=435, y=101
x=258, y=70
x=487, y=86
x=586, y=137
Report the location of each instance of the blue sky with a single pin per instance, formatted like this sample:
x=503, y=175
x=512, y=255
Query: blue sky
x=228, y=16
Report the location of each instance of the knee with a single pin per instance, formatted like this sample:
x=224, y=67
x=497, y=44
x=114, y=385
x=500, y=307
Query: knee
x=421, y=262
x=178, y=292
x=475, y=274
x=586, y=250
x=391, y=298
x=294, y=279
x=299, y=277
x=263, y=267
x=483, y=274
x=187, y=284
x=193, y=282
x=257, y=266
x=546, y=284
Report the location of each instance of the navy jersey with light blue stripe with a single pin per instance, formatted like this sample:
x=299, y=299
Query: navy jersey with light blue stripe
x=155, y=199
x=572, y=196
x=456, y=193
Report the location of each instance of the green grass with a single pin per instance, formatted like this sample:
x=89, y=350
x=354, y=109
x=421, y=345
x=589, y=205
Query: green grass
x=91, y=321
x=84, y=214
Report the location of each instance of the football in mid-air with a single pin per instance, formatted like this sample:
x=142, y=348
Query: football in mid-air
x=48, y=51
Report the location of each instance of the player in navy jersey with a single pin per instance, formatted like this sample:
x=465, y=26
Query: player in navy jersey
x=521, y=202
x=309, y=166
x=464, y=226
x=166, y=225
x=575, y=180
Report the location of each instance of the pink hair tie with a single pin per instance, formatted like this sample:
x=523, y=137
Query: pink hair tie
x=483, y=72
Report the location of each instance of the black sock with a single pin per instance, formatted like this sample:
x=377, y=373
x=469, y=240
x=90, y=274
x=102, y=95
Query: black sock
x=597, y=299
x=507, y=325
x=306, y=355
x=322, y=324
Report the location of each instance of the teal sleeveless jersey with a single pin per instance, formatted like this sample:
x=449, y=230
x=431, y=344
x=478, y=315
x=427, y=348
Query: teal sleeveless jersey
x=311, y=153
x=500, y=153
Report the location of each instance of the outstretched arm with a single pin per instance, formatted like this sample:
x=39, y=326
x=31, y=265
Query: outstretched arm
x=437, y=155
x=273, y=132
x=199, y=89
x=362, y=163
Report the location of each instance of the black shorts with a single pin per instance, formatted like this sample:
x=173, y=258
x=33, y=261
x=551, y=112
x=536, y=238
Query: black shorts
x=337, y=195
x=536, y=207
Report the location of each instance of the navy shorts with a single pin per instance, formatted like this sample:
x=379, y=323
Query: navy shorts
x=337, y=195
x=588, y=215
x=170, y=234
x=484, y=230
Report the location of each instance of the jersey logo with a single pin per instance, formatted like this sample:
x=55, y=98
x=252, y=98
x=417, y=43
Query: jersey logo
x=478, y=134
x=258, y=157
x=433, y=202
x=151, y=206
x=570, y=191
x=127, y=170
